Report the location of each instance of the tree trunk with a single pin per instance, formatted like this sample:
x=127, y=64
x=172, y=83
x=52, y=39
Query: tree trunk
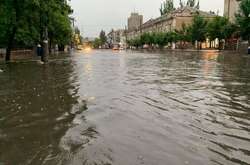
x=219, y=45
x=12, y=31
x=197, y=44
x=10, y=44
x=61, y=48
x=50, y=47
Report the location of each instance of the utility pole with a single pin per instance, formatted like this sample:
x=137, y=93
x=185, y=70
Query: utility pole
x=44, y=31
x=46, y=46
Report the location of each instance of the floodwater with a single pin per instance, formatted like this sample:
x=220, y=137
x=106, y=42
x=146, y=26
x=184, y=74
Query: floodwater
x=126, y=108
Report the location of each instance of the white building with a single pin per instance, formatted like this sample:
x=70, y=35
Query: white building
x=117, y=38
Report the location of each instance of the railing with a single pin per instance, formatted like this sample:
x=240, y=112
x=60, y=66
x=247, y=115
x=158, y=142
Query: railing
x=18, y=53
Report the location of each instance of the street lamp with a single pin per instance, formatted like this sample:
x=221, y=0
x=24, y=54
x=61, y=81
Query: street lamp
x=44, y=16
x=46, y=46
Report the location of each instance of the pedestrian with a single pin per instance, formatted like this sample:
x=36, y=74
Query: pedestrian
x=248, y=49
x=40, y=52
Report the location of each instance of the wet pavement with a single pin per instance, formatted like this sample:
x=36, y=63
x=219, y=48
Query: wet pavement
x=126, y=108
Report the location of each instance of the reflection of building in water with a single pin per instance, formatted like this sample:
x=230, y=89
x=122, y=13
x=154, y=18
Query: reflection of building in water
x=210, y=55
x=231, y=7
x=209, y=67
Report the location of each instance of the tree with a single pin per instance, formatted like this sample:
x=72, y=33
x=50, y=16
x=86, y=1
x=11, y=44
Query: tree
x=166, y=7
x=161, y=39
x=23, y=23
x=77, y=38
x=103, y=37
x=184, y=34
x=13, y=20
x=193, y=4
x=146, y=38
x=97, y=43
x=216, y=29
x=231, y=30
x=190, y=3
x=181, y=4
x=243, y=19
x=136, y=42
x=198, y=30
x=59, y=24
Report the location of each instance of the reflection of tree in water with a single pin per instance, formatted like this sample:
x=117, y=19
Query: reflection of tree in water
x=38, y=105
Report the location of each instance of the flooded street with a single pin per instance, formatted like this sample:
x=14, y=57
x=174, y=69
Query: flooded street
x=126, y=108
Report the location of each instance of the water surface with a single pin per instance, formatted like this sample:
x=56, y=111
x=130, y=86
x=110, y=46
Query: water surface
x=126, y=108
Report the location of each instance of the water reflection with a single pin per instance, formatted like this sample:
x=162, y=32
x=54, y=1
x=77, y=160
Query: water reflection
x=104, y=107
x=37, y=108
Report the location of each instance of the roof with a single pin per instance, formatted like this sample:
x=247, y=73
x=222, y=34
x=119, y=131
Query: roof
x=180, y=12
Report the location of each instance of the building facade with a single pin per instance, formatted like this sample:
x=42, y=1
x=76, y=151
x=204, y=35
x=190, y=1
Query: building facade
x=231, y=7
x=169, y=22
x=135, y=21
x=117, y=38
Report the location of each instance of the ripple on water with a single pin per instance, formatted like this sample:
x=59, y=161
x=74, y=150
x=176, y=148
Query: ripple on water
x=125, y=108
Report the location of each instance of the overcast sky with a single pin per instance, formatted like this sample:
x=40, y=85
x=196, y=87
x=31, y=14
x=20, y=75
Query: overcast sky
x=94, y=15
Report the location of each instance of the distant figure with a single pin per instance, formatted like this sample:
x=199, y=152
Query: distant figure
x=39, y=50
x=248, y=49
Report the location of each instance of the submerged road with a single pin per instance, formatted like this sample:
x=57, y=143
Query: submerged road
x=126, y=108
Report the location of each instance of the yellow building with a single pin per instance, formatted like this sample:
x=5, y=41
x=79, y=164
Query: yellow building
x=169, y=22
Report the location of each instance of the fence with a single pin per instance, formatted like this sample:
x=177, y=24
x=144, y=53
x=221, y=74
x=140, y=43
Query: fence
x=18, y=53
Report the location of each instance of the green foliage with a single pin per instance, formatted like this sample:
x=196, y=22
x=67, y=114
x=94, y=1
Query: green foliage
x=190, y=3
x=160, y=38
x=198, y=29
x=97, y=43
x=184, y=34
x=220, y=28
x=231, y=30
x=216, y=28
x=243, y=19
x=146, y=38
x=23, y=22
x=136, y=42
x=166, y=7
x=103, y=37
x=59, y=28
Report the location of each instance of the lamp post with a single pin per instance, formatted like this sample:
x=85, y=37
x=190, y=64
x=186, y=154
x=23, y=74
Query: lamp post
x=44, y=31
x=44, y=57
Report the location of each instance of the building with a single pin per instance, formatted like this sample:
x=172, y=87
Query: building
x=135, y=21
x=231, y=7
x=117, y=38
x=169, y=22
